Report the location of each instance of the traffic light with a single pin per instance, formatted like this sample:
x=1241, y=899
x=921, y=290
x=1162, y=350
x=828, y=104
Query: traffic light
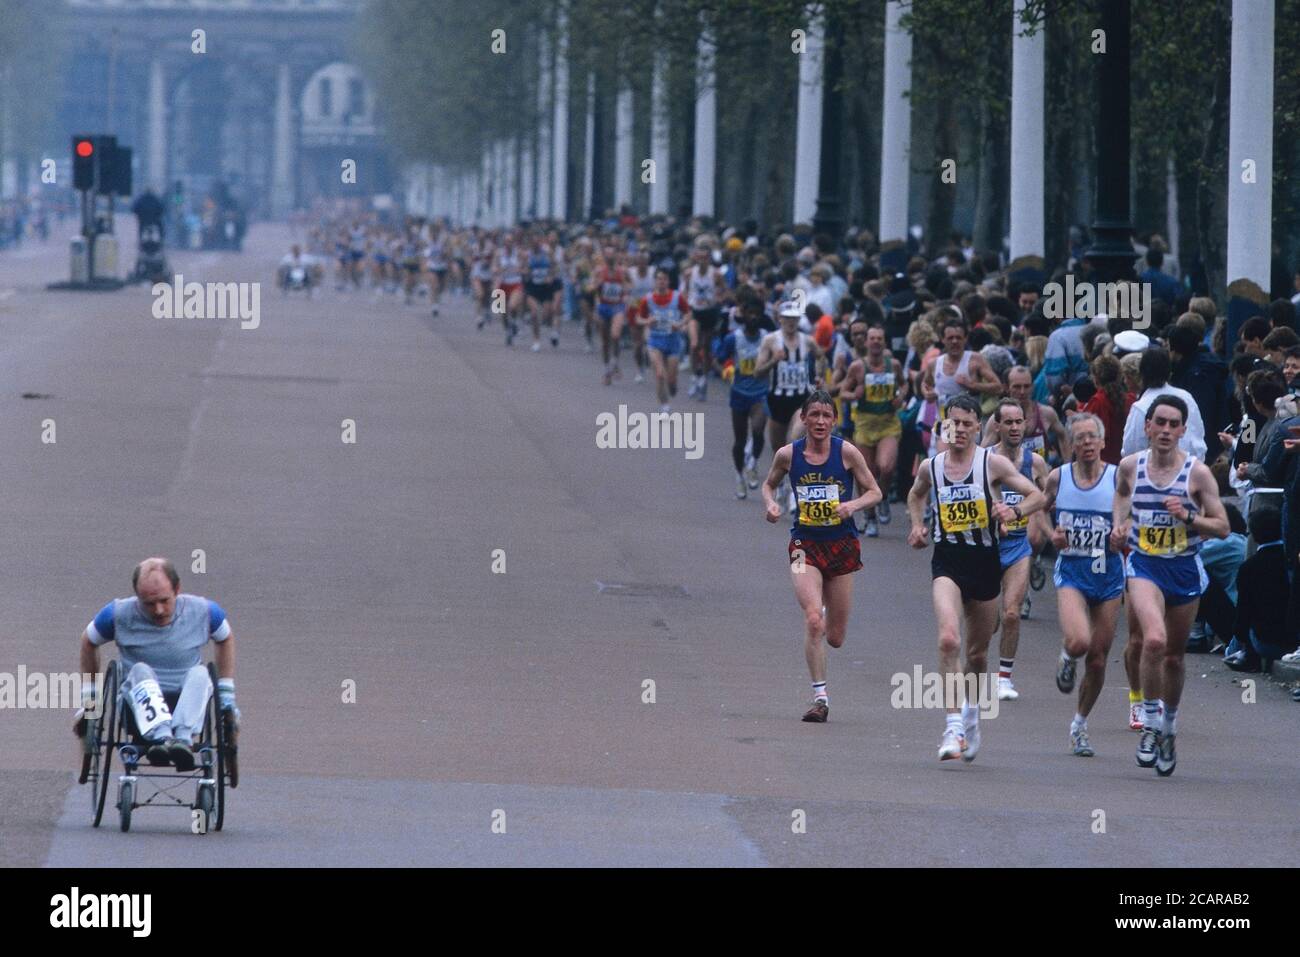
x=85, y=161
x=100, y=165
x=115, y=171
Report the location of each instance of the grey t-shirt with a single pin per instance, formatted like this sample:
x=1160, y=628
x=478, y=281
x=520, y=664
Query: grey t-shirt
x=171, y=650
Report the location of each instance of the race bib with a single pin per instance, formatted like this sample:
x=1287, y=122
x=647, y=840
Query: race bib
x=1036, y=445
x=1011, y=500
x=1159, y=533
x=746, y=367
x=962, y=509
x=611, y=291
x=818, y=504
x=148, y=705
x=879, y=387
x=792, y=376
x=1086, y=534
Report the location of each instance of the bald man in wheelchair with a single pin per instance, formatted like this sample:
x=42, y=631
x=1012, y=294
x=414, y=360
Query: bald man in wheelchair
x=160, y=633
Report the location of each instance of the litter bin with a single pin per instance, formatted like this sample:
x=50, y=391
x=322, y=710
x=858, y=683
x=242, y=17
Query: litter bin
x=80, y=264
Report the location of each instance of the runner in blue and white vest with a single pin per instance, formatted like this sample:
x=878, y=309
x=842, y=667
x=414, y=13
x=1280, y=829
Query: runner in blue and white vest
x=1089, y=573
x=1165, y=502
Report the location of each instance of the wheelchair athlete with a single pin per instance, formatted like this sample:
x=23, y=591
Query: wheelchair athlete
x=160, y=633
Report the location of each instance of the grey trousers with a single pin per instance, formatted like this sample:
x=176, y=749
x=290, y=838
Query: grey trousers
x=187, y=717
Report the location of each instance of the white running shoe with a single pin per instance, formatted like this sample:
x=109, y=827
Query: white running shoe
x=742, y=489
x=665, y=407
x=1292, y=657
x=1006, y=690
x=972, y=738
x=639, y=376
x=872, y=530
x=537, y=347
x=1135, y=716
x=952, y=745
x=1079, y=743
x=882, y=510
x=751, y=472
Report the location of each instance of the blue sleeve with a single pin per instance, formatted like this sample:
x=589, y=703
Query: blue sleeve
x=216, y=617
x=104, y=622
x=726, y=348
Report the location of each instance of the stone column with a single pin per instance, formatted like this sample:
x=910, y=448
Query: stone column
x=703, y=199
x=808, y=125
x=659, y=142
x=1028, y=60
x=1250, y=144
x=623, y=167
x=157, y=160
x=896, y=128
x=560, y=156
x=282, y=165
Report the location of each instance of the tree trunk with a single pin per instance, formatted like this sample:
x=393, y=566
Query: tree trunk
x=1211, y=189
x=943, y=196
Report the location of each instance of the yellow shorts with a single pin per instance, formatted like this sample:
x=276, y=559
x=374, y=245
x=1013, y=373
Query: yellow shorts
x=869, y=428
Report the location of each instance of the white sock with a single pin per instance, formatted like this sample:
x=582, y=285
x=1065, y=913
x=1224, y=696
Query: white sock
x=1170, y=720
x=819, y=692
x=955, y=722
x=1080, y=723
x=969, y=713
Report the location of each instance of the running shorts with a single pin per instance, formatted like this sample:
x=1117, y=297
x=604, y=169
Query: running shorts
x=1095, y=587
x=669, y=343
x=708, y=320
x=869, y=428
x=1012, y=548
x=606, y=311
x=974, y=570
x=743, y=403
x=1181, y=579
x=834, y=557
x=782, y=408
x=542, y=292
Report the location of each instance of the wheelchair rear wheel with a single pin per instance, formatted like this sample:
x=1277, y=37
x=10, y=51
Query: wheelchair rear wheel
x=104, y=737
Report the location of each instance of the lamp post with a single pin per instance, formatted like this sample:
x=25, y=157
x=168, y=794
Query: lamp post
x=1111, y=253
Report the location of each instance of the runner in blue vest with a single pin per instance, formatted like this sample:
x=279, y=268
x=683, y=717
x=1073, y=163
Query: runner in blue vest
x=1015, y=550
x=1089, y=574
x=823, y=549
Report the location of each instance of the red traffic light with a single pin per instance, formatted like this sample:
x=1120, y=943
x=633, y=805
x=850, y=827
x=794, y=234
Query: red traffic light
x=85, y=148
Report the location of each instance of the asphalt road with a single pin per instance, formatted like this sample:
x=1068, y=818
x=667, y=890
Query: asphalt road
x=517, y=698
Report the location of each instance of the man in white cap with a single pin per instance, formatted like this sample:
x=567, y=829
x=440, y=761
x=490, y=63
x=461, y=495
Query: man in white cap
x=1155, y=382
x=1130, y=340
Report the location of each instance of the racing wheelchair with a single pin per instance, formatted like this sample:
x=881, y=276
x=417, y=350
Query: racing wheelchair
x=113, y=732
